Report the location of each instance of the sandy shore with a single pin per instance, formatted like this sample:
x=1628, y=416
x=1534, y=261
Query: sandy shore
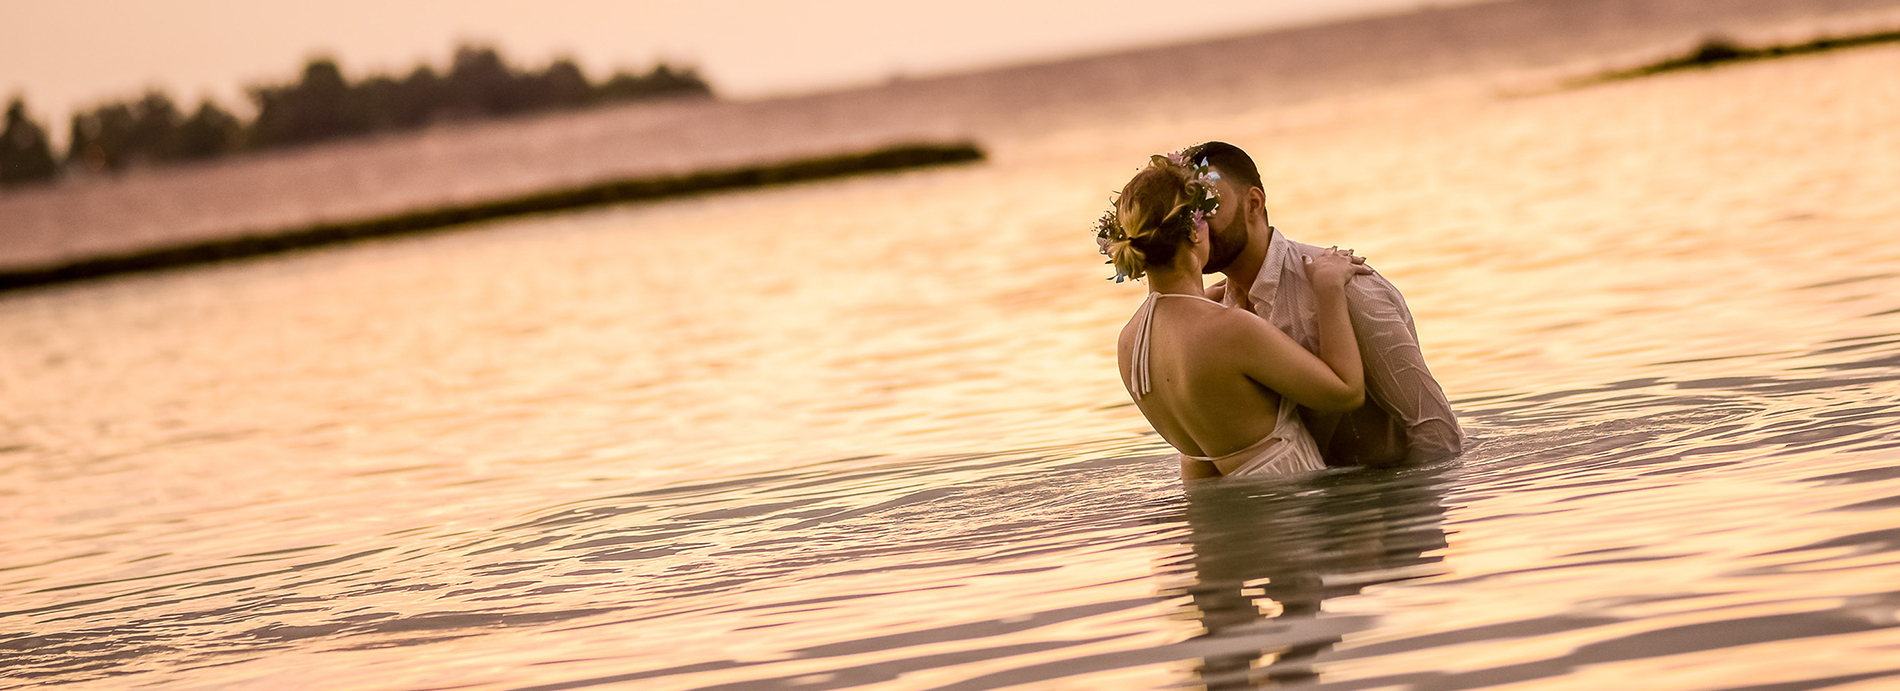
x=265, y=194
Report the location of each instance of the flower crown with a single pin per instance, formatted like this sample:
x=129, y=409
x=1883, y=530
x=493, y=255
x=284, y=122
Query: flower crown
x=1200, y=184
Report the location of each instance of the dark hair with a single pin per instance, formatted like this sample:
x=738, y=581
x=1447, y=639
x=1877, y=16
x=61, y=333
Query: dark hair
x=1229, y=160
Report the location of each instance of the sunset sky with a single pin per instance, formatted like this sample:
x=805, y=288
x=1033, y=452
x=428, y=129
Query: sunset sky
x=74, y=53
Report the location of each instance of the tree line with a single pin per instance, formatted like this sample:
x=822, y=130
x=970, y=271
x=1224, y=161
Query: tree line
x=321, y=105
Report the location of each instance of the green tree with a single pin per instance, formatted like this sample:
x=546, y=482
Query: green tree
x=562, y=85
x=418, y=98
x=100, y=137
x=154, y=134
x=401, y=104
x=481, y=83
x=208, y=133
x=322, y=105
x=663, y=82
x=115, y=135
x=25, y=156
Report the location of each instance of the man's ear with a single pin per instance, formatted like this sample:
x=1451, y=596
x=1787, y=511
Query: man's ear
x=1256, y=201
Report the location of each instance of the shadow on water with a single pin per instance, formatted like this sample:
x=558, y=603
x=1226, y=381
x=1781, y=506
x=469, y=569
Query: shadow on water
x=1265, y=556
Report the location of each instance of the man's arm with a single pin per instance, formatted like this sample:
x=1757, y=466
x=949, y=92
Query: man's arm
x=1396, y=377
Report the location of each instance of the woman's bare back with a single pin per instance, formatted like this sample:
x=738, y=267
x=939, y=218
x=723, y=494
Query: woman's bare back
x=1196, y=398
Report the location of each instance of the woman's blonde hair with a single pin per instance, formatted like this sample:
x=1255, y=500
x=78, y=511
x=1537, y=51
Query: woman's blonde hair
x=1154, y=215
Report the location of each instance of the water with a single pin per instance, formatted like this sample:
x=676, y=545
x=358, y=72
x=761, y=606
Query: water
x=868, y=433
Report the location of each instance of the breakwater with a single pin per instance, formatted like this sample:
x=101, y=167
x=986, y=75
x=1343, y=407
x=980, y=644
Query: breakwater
x=610, y=192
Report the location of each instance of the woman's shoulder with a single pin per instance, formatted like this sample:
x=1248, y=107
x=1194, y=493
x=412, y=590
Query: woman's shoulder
x=1230, y=323
x=1239, y=332
x=1210, y=319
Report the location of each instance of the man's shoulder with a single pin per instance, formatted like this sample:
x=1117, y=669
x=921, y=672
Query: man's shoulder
x=1302, y=247
x=1373, y=284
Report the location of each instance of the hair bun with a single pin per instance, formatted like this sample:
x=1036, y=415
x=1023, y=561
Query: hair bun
x=1159, y=209
x=1128, y=259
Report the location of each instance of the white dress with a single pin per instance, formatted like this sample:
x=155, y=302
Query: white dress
x=1288, y=449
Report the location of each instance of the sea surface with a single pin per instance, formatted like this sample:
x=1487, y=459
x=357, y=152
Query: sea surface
x=869, y=434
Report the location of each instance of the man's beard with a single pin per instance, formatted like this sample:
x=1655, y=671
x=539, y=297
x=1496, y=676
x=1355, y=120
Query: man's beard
x=1224, y=244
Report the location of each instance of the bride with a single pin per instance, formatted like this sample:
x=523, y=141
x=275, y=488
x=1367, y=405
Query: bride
x=1220, y=384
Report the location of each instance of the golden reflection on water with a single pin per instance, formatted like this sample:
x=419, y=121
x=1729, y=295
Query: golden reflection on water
x=414, y=396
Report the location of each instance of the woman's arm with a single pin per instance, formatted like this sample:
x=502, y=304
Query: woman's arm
x=1333, y=382
x=1337, y=346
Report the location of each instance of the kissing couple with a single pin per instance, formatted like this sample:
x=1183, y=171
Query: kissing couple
x=1300, y=358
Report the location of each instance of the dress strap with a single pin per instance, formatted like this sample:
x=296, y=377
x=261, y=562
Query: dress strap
x=1144, y=318
x=1185, y=295
x=1143, y=331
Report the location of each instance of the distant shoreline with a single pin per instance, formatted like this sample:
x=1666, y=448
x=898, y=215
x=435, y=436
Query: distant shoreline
x=890, y=158
x=112, y=224
x=322, y=105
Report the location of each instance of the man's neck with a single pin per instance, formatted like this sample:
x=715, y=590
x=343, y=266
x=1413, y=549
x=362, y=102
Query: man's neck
x=1245, y=268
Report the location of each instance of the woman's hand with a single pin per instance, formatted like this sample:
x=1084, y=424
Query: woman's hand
x=1335, y=381
x=1332, y=267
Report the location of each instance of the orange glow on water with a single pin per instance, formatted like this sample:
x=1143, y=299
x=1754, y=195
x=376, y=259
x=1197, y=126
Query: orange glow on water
x=848, y=355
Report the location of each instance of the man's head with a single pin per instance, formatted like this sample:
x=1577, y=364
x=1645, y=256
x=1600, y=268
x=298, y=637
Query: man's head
x=1242, y=197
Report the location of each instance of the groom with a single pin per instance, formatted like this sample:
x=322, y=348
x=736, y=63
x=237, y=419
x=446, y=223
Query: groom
x=1406, y=418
